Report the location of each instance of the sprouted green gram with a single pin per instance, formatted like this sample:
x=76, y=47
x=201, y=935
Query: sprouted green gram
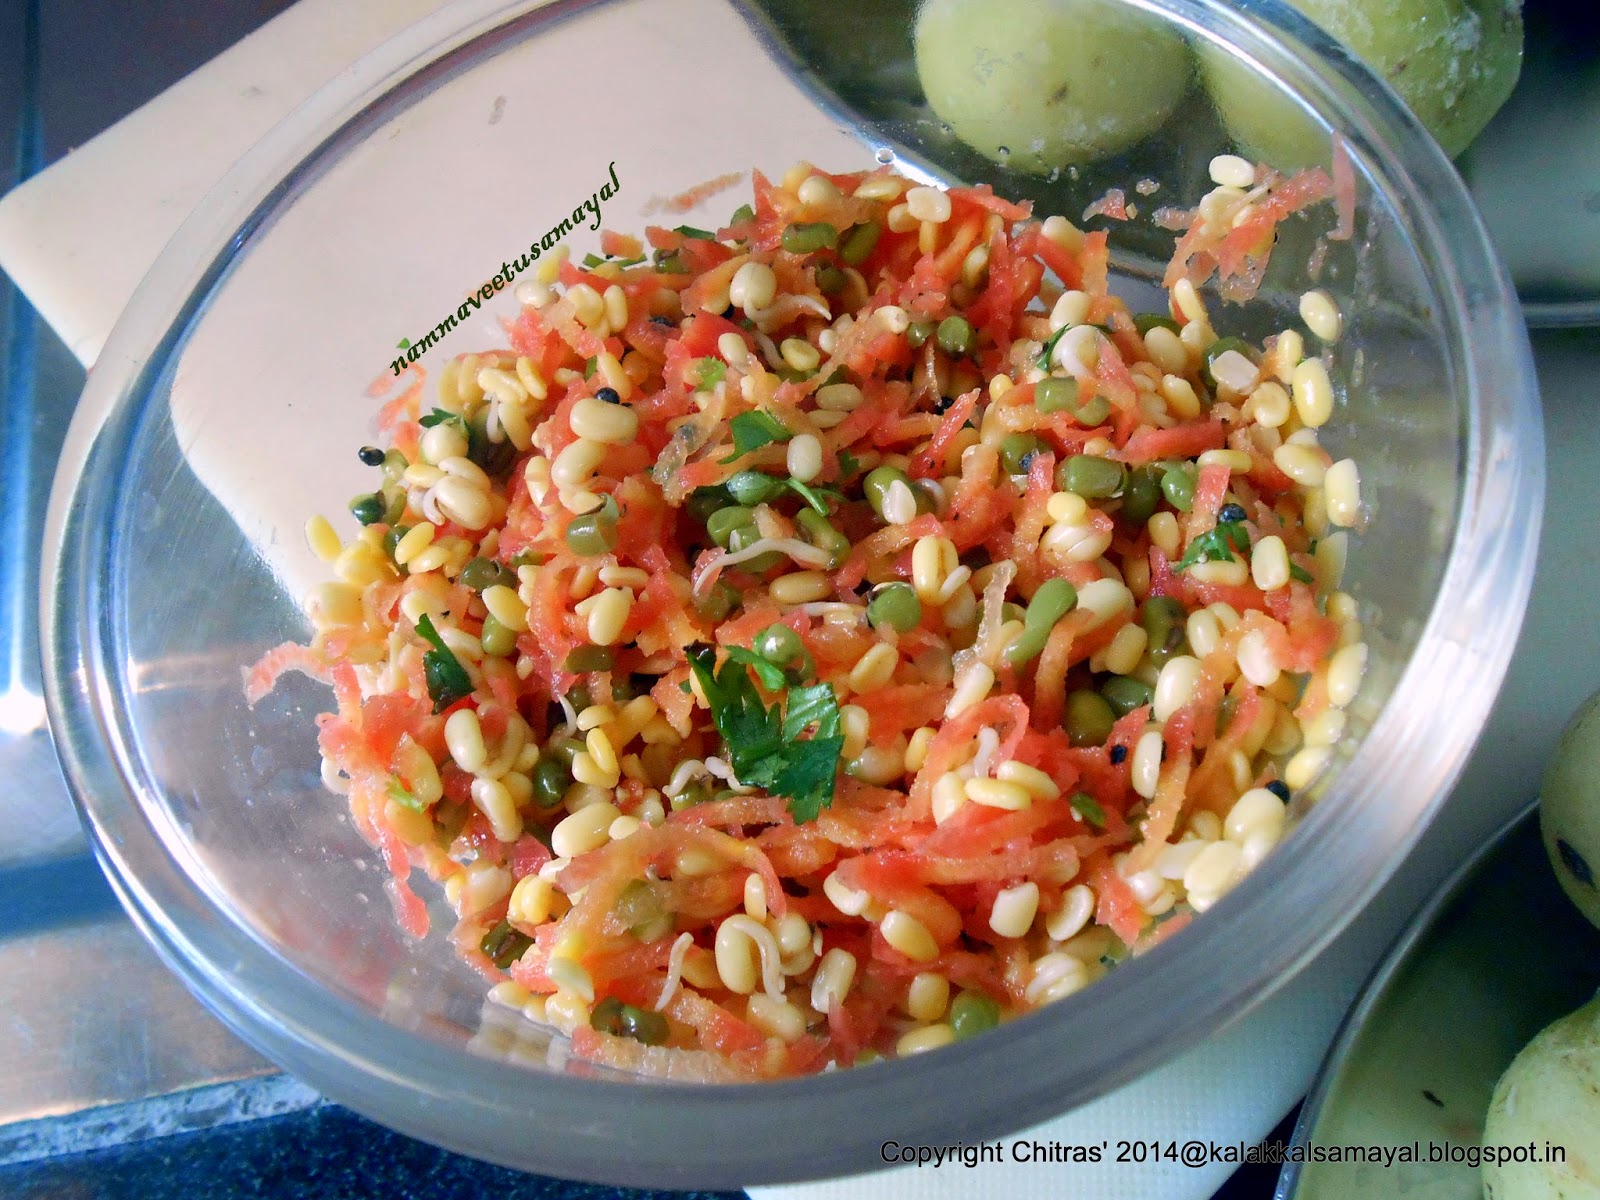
x=828, y=636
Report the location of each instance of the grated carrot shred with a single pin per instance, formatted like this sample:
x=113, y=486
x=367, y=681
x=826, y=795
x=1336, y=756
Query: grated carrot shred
x=621, y=540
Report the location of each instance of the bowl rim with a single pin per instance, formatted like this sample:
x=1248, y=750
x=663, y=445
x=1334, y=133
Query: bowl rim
x=415, y=1084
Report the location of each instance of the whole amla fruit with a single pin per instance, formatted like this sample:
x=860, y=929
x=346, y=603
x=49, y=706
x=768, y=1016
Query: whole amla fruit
x=1038, y=85
x=1454, y=63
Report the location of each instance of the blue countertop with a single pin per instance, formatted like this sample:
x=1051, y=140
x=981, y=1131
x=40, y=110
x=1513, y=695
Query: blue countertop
x=317, y=1153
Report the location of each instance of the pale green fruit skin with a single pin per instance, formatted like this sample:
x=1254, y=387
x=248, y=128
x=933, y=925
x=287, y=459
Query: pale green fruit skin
x=1057, y=83
x=1569, y=809
x=1264, y=124
x=1454, y=63
x=1550, y=1093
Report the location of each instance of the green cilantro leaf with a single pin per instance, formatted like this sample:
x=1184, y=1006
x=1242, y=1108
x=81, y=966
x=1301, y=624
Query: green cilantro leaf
x=1203, y=549
x=447, y=679
x=440, y=417
x=752, y=430
x=595, y=260
x=770, y=675
x=764, y=745
x=808, y=775
x=814, y=496
x=815, y=705
x=1235, y=534
x=1297, y=572
x=689, y=231
x=750, y=731
x=710, y=372
x=1088, y=809
x=849, y=464
x=1043, y=359
x=1214, y=546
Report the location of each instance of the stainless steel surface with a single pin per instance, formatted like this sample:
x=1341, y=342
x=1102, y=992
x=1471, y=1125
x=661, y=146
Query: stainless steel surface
x=91, y=1017
x=38, y=386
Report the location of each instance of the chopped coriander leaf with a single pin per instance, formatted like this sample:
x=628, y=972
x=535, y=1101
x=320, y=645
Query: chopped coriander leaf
x=447, y=679
x=1300, y=574
x=814, y=705
x=689, y=231
x=1214, y=546
x=750, y=731
x=752, y=430
x=807, y=776
x=848, y=464
x=709, y=371
x=763, y=744
x=772, y=677
x=440, y=417
x=1043, y=360
x=401, y=795
x=595, y=260
x=811, y=495
x=1088, y=809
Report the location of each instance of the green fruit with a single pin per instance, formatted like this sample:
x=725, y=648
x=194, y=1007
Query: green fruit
x=1569, y=809
x=1264, y=124
x=1038, y=85
x=1549, y=1095
x=1454, y=63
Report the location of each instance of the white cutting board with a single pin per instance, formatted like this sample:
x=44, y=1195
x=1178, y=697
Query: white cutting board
x=78, y=237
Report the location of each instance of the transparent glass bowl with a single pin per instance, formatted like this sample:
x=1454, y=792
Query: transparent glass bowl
x=230, y=398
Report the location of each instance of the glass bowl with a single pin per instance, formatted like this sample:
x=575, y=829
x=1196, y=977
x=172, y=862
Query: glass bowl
x=228, y=401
